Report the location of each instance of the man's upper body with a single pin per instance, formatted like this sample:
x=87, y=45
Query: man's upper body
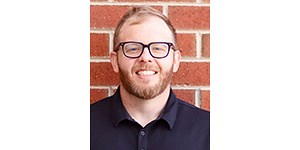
x=145, y=57
x=180, y=126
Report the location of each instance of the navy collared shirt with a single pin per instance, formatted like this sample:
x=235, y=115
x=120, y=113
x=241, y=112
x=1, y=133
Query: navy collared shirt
x=181, y=126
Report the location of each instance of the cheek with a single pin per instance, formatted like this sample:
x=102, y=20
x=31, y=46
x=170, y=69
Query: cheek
x=165, y=64
x=125, y=64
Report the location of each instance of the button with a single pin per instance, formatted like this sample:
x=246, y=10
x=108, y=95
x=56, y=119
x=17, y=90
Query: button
x=142, y=149
x=143, y=133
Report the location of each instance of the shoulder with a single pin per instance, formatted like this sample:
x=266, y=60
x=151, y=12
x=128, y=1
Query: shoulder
x=100, y=106
x=195, y=119
x=189, y=110
x=100, y=113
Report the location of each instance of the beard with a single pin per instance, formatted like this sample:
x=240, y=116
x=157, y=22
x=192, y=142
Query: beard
x=139, y=90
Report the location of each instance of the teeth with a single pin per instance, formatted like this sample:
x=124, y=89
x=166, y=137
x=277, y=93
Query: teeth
x=146, y=72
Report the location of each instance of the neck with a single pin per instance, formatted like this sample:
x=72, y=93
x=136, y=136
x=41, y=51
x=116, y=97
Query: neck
x=141, y=110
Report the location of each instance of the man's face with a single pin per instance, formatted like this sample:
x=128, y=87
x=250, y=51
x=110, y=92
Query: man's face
x=145, y=77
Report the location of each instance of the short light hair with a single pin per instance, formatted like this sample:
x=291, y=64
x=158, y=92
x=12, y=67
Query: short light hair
x=140, y=12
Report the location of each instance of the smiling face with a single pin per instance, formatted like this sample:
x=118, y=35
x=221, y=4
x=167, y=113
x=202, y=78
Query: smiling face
x=145, y=77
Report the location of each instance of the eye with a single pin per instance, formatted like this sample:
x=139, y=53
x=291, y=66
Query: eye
x=159, y=47
x=132, y=47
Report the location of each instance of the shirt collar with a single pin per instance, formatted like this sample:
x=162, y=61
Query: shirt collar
x=119, y=112
x=170, y=111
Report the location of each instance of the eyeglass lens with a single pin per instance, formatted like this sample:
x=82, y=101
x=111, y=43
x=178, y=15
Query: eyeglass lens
x=156, y=49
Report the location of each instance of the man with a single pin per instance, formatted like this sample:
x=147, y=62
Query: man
x=144, y=113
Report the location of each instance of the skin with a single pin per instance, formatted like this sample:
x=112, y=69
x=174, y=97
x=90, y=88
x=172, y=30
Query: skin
x=149, y=77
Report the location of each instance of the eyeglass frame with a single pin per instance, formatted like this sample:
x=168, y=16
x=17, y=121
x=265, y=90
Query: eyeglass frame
x=170, y=45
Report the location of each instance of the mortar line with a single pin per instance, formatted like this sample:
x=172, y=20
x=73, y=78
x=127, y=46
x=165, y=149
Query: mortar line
x=192, y=31
x=150, y=3
x=99, y=87
x=165, y=10
x=187, y=87
x=107, y=31
x=198, y=45
x=111, y=41
x=197, y=98
x=188, y=59
x=97, y=60
x=112, y=88
x=109, y=91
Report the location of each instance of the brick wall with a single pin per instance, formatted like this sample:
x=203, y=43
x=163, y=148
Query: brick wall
x=191, y=19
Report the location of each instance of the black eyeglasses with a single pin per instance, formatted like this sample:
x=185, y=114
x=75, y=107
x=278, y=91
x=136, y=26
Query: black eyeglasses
x=134, y=49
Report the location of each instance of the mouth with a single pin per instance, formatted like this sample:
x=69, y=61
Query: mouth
x=146, y=72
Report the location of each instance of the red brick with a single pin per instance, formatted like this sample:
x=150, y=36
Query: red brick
x=205, y=100
x=97, y=94
x=99, y=0
x=103, y=74
x=192, y=73
x=107, y=17
x=206, y=45
x=187, y=17
x=187, y=44
x=155, y=0
x=206, y=1
x=99, y=44
x=186, y=95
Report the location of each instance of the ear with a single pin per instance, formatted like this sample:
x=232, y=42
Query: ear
x=177, y=58
x=114, y=61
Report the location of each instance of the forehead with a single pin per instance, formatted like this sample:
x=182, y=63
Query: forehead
x=145, y=29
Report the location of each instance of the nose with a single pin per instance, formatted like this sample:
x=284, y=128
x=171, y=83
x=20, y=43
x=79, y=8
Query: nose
x=146, y=56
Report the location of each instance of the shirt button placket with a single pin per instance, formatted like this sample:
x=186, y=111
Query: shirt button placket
x=142, y=133
x=142, y=140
